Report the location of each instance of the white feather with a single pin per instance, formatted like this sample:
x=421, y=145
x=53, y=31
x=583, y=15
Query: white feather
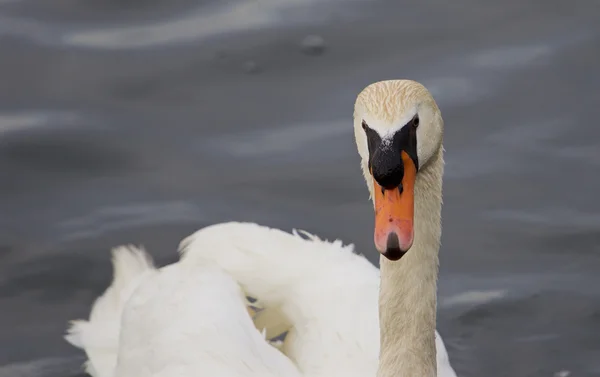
x=175, y=322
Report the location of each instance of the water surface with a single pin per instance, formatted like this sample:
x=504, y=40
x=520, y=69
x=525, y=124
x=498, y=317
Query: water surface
x=141, y=121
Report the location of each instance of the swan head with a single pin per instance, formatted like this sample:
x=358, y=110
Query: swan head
x=398, y=129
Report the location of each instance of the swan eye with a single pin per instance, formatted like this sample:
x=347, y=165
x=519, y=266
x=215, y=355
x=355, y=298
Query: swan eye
x=415, y=121
x=364, y=125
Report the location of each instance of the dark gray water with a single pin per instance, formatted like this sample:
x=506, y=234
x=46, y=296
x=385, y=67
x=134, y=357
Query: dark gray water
x=141, y=121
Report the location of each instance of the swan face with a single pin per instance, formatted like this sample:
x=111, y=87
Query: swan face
x=398, y=129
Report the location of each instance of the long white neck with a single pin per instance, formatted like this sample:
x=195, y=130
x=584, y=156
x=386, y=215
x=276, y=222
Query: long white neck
x=408, y=293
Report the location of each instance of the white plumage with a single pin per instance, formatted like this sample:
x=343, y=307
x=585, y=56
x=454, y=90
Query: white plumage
x=191, y=316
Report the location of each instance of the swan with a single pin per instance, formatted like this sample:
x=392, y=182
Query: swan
x=336, y=305
x=343, y=315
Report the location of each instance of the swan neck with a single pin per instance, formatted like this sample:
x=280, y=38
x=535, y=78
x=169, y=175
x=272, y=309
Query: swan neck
x=407, y=298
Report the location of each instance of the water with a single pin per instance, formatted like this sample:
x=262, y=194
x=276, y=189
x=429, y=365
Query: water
x=141, y=121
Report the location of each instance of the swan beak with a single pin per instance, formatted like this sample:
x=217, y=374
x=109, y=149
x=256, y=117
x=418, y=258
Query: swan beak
x=394, y=214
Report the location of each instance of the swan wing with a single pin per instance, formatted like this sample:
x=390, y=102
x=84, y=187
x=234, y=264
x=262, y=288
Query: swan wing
x=323, y=291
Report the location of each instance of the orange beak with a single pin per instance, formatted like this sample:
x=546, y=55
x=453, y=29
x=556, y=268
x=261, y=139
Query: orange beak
x=394, y=214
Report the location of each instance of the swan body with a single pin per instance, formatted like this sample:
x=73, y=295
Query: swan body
x=169, y=321
x=322, y=293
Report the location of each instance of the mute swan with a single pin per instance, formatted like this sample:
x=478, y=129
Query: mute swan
x=328, y=294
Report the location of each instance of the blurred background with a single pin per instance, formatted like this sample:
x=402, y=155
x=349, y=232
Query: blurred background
x=139, y=121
